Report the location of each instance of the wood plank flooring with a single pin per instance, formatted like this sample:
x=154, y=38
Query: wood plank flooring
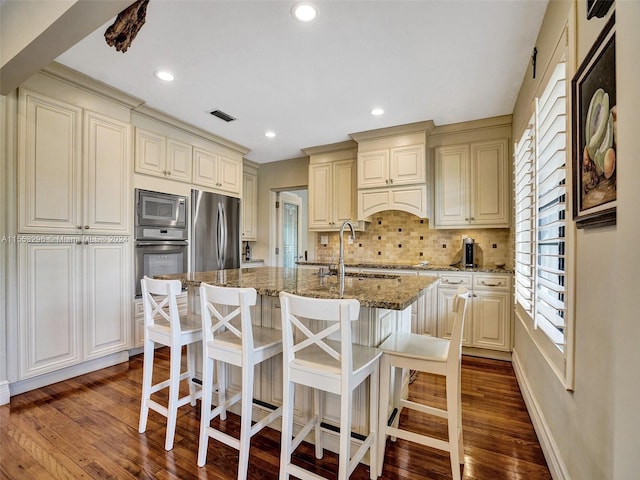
x=87, y=428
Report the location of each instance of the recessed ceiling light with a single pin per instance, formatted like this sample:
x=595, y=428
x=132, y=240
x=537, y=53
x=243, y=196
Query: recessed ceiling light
x=305, y=12
x=164, y=75
x=377, y=111
x=270, y=134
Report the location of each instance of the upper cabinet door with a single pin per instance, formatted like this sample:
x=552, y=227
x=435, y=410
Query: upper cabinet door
x=250, y=206
x=179, y=161
x=490, y=189
x=320, y=196
x=230, y=174
x=344, y=191
x=107, y=175
x=373, y=169
x=451, y=186
x=205, y=168
x=150, y=153
x=407, y=165
x=49, y=165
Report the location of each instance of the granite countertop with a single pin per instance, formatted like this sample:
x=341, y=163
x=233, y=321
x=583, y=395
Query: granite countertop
x=417, y=267
x=393, y=292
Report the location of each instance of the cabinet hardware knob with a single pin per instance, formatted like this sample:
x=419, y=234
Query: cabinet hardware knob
x=466, y=219
x=168, y=173
x=391, y=181
x=491, y=284
x=86, y=242
x=78, y=242
x=86, y=227
x=473, y=218
x=79, y=227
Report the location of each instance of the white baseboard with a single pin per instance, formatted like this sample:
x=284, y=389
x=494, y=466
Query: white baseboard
x=549, y=447
x=4, y=392
x=67, y=373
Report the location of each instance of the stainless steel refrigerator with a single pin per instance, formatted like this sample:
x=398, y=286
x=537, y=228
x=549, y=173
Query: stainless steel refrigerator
x=215, y=231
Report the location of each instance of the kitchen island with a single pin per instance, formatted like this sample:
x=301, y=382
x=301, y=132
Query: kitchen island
x=385, y=306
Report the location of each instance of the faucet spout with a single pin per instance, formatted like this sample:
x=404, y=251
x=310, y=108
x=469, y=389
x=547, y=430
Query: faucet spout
x=341, y=260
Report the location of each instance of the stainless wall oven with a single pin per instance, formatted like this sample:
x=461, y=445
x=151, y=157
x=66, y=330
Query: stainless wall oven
x=161, y=245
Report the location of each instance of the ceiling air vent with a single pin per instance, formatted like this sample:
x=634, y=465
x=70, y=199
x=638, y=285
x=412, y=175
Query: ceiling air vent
x=223, y=116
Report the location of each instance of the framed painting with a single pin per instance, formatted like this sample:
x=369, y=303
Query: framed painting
x=594, y=129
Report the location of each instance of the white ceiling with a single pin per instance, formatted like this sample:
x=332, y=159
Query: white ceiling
x=313, y=84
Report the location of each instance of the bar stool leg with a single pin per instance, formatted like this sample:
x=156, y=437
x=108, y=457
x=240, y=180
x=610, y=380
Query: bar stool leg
x=385, y=377
x=245, y=420
x=147, y=377
x=454, y=426
x=174, y=387
x=287, y=428
x=221, y=369
x=205, y=410
x=374, y=395
x=345, y=433
x=318, y=401
x=191, y=368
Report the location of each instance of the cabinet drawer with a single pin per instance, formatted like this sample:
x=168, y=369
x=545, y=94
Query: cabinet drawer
x=491, y=281
x=455, y=279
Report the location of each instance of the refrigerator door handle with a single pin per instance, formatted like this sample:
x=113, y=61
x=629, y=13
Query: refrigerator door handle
x=222, y=236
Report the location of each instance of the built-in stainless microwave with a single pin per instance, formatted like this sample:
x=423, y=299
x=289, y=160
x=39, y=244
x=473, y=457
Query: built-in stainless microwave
x=160, y=216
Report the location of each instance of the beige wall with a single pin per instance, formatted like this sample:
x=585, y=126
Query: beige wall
x=275, y=176
x=593, y=430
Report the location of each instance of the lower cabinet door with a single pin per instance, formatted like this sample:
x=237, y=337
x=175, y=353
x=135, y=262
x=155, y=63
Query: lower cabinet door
x=49, y=329
x=491, y=320
x=107, y=298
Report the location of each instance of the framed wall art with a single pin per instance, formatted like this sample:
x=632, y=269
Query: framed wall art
x=594, y=129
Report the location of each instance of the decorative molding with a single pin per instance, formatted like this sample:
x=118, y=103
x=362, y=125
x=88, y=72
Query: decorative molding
x=331, y=147
x=77, y=79
x=69, y=372
x=426, y=126
x=473, y=125
x=175, y=123
x=4, y=392
x=548, y=444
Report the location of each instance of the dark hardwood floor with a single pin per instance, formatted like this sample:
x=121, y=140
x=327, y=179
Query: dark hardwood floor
x=87, y=427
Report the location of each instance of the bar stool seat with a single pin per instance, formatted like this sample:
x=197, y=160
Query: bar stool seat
x=402, y=350
x=164, y=325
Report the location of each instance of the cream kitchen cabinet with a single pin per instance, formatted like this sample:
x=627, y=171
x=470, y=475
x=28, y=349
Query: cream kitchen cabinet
x=472, y=185
x=74, y=169
x=488, y=321
x=249, y=203
x=331, y=194
x=392, y=172
x=74, y=302
x=158, y=155
x=221, y=172
x=394, y=166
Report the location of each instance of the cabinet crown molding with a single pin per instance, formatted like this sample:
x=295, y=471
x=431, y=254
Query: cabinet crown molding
x=425, y=126
x=331, y=147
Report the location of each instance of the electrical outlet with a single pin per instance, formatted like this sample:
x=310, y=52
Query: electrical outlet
x=324, y=239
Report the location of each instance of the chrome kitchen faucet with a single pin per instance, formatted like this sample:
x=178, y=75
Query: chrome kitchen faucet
x=341, y=259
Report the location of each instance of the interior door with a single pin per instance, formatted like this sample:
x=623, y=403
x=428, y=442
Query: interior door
x=289, y=235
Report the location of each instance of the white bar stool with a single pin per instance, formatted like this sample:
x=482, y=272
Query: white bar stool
x=431, y=355
x=163, y=325
x=326, y=365
x=239, y=343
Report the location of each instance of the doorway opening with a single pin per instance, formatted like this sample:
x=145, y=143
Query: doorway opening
x=290, y=238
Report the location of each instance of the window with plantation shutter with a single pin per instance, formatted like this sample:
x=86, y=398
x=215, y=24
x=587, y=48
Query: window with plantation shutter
x=525, y=218
x=551, y=141
x=540, y=209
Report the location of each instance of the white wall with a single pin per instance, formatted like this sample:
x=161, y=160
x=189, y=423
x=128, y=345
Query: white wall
x=591, y=433
x=626, y=261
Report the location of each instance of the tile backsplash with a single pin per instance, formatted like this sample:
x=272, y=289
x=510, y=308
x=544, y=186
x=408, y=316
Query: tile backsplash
x=395, y=237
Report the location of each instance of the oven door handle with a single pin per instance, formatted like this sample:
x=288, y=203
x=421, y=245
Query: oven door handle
x=162, y=242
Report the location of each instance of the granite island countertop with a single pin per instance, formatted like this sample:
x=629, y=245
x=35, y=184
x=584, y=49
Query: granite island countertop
x=417, y=267
x=393, y=292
